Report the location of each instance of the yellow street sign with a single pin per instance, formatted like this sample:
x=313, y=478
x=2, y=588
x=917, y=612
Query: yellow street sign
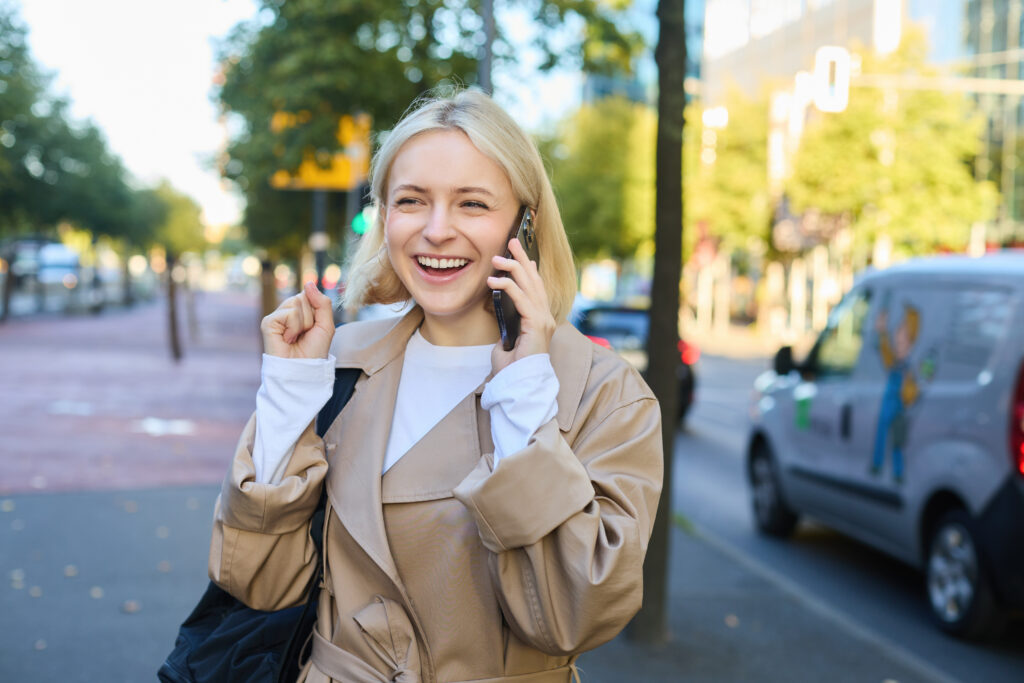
x=347, y=170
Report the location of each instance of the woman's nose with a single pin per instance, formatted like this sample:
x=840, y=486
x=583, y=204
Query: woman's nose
x=439, y=226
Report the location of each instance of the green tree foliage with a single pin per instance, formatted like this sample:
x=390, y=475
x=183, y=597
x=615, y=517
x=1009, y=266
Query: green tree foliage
x=895, y=162
x=181, y=229
x=727, y=195
x=603, y=171
x=324, y=59
x=51, y=168
x=602, y=161
x=21, y=87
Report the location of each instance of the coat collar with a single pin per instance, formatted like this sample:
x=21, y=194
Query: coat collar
x=360, y=433
x=372, y=345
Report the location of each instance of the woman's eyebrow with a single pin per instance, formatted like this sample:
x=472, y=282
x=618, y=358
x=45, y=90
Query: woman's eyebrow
x=410, y=187
x=472, y=190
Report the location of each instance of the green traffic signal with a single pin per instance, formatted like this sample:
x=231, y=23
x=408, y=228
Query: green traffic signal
x=362, y=220
x=359, y=223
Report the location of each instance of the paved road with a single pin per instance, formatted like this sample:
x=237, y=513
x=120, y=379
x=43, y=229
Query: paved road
x=109, y=461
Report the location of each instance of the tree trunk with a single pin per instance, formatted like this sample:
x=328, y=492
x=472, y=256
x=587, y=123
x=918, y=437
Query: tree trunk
x=172, y=308
x=97, y=298
x=268, y=293
x=190, y=305
x=268, y=288
x=127, y=298
x=7, y=258
x=651, y=623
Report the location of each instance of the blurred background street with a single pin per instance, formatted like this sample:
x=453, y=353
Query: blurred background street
x=170, y=171
x=112, y=457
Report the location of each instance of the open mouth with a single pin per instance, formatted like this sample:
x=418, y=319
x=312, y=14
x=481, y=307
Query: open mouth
x=441, y=266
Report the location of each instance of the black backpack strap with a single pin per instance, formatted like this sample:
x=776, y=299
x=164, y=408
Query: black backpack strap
x=344, y=385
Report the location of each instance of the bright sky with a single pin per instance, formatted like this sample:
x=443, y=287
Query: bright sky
x=142, y=70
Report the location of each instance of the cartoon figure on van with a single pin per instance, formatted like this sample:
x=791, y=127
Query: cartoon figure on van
x=901, y=390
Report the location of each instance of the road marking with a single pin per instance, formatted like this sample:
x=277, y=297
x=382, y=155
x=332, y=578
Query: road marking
x=820, y=608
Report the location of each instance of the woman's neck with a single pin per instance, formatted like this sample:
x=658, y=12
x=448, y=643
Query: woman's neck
x=470, y=330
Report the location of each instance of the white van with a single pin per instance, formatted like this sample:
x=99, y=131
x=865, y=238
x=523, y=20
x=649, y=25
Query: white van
x=904, y=428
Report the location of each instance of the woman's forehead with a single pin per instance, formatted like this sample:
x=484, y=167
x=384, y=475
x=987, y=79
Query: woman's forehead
x=445, y=158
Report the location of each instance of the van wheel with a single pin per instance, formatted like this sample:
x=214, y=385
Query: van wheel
x=771, y=514
x=959, y=591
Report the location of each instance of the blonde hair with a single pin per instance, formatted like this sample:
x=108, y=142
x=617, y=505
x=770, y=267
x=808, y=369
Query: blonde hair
x=371, y=277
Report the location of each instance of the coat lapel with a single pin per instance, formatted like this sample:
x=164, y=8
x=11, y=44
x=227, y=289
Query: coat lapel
x=360, y=433
x=439, y=461
x=354, y=472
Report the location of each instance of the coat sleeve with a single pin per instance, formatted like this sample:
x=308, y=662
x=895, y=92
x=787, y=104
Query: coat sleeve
x=261, y=552
x=568, y=524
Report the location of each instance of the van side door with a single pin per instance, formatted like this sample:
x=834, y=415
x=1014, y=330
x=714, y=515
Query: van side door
x=824, y=407
x=891, y=423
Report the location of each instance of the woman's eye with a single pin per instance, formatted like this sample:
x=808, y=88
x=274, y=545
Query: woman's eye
x=473, y=204
x=405, y=201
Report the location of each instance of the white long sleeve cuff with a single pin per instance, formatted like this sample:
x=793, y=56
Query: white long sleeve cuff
x=520, y=399
x=292, y=392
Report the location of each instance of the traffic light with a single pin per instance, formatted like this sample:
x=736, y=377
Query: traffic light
x=367, y=213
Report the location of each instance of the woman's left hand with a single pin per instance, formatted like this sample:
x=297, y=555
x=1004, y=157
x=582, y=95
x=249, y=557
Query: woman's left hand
x=527, y=292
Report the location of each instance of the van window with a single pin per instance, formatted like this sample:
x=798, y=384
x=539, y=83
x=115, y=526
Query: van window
x=980, y=320
x=840, y=342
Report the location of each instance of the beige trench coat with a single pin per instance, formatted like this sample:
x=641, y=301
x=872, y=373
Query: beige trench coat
x=444, y=569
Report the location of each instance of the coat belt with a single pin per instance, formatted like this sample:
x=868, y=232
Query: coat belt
x=347, y=668
x=390, y=634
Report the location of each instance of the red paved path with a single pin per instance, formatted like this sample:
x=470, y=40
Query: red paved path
x=74, y=392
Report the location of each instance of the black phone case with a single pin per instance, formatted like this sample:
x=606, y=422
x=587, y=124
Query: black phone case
x=504, y=310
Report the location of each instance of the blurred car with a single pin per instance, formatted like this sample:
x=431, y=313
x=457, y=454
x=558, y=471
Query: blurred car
x=624, y=329
x=48, y=270
x=904, y=428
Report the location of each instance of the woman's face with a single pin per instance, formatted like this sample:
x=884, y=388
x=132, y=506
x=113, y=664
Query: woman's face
x=450, y=209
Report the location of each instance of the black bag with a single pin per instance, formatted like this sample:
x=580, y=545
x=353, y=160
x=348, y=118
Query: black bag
x=224, y=641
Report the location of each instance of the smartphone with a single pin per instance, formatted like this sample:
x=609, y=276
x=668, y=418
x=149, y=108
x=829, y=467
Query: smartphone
x=504, y=310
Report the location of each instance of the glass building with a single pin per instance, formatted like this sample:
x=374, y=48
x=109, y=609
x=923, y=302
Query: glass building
x=749, y=42
x=992, y=49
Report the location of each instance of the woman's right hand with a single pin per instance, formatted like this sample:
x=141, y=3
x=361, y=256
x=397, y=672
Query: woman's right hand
x=301, y=327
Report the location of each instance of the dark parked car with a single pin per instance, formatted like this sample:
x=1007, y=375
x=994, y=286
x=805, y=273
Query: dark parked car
x=624, y=329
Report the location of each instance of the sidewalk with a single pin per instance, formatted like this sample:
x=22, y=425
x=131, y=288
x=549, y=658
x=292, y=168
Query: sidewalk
x=95, y=584
x=95, y=401
x=110, y=459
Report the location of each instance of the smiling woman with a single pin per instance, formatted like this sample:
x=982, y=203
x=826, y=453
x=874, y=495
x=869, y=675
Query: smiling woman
x=488, y=510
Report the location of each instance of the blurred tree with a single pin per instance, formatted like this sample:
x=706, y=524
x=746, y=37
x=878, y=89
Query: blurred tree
x=602, y=165
x=895, y=163
x=21, y=87
x=324, y=59
x=51, y=169
x=727, y=181
x=147, y=213
x=179, y=232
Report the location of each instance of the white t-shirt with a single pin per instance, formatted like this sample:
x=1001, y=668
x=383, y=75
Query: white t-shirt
x=434, y=380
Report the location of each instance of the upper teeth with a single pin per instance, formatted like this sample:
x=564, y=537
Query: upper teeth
x=441, y=263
